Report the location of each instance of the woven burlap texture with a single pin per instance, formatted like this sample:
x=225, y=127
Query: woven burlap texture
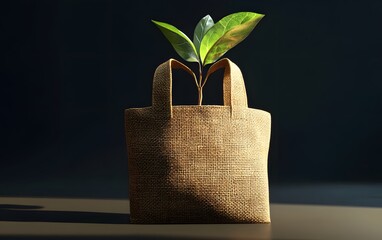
x=198, y=164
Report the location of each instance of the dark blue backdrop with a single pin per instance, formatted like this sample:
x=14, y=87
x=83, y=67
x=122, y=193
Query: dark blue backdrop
x=68, y=69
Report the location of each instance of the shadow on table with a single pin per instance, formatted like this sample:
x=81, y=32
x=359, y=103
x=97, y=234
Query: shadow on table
x=132, y=237
x=32, y=213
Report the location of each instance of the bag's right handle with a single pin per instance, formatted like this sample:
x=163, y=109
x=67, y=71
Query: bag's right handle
x=234, y=92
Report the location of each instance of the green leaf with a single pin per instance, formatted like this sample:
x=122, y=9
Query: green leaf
x=181, y=43
x=201, y=29
x=226, y=34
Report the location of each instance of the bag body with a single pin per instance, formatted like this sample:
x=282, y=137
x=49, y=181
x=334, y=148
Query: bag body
x=198, y=164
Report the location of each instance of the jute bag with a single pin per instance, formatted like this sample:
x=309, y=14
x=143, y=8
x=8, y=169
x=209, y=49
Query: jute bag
x=198, y=164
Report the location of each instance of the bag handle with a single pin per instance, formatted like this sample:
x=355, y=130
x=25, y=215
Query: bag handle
x=162, y=85
x=234, y=93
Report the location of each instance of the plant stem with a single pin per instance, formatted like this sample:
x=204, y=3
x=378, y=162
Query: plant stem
x=200, y=87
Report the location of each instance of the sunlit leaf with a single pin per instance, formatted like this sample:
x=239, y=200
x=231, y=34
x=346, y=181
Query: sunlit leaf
x=181, y=43
x=226, y=34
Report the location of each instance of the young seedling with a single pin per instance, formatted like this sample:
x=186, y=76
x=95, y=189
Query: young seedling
x=211, y=41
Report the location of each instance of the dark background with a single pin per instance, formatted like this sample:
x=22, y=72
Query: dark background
x=68, y=69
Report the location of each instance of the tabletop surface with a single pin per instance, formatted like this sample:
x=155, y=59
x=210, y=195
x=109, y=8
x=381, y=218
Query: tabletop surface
x=63, y=218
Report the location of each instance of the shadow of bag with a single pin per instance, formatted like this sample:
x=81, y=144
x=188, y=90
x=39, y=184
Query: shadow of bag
x=198, y=164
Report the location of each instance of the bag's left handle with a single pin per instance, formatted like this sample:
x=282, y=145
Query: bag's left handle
x=162, y=85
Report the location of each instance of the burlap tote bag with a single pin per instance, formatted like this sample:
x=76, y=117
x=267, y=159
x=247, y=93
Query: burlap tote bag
x=198, y=164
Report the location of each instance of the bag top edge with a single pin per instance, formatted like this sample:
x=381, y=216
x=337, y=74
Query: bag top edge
x=194, y=106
